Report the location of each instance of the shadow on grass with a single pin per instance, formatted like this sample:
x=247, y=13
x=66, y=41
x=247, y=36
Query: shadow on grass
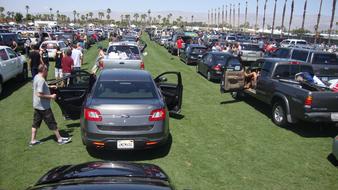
x=63, y=133
x=303, y=129
x=176, y=116
x=11, y=86
x=73, y=125
x=229, y=102
x=332, y=160
x=134, y=155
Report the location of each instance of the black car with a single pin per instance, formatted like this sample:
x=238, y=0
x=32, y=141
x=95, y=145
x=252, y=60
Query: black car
x=211, y=64
x=193, y=53
x=105, y=175
x=6, y=39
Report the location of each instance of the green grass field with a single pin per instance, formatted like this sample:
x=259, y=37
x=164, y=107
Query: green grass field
x=218, y=144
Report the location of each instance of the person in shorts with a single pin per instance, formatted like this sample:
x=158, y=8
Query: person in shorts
x=67, y=63
x=42, y=109
x=58, y=66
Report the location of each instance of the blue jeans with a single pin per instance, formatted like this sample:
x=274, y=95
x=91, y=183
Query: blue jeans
x=34, y=72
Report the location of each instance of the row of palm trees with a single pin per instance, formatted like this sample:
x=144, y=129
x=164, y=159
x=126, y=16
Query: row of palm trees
x=214, y=15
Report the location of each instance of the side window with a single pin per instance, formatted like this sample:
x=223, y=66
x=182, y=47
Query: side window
x=79, y=80
x=205, y=58
x=11, y=53
x=3, y=55
x=282, y=72
x=282, y=53
x=209, y=59
x=293, y=42
x=300, y=55
x=266, y=68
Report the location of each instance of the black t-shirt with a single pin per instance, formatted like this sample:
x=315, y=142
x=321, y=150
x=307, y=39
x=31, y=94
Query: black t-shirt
x=35, y=59
x=58, y=58
x=45, y=57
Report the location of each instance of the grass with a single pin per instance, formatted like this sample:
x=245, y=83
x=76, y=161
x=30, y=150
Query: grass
x=218, y=144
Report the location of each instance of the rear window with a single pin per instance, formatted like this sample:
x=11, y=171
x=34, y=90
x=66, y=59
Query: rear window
x=326, y=59
x=3, y=55
x=301, y=42
x=250, y=47
x=131, y=51
x=231, y=38
x=220, y=59
x=49, y=45
x=198, y=50
x=282, y=53
x=300, y=55
x=234, y=64
x=125, y=90
x=289, y=71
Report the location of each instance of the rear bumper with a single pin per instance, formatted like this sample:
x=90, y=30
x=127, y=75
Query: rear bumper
x=319, y=117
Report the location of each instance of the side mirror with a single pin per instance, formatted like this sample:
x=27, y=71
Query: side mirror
x=105, y=49
x=163, y=79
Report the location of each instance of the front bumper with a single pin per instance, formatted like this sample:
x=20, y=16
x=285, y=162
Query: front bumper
x=319, y=117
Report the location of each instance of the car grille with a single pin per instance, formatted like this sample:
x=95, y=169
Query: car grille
x=125, y=128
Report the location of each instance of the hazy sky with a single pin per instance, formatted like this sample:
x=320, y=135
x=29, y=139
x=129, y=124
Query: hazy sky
x=158, y=5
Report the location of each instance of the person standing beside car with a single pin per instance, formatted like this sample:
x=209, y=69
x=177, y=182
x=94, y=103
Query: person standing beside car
x=14, y=46
x=44, y=56
x=77, y=57
x=67, y=63
x=34, y=60
x=179, y=44
x=42, y=108
x=58, y=66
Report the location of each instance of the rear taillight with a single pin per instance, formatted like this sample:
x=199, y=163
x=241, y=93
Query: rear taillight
x=157, y=115
x=142, y=65
x=308, y=102
x=217, y=67
x=92, y=115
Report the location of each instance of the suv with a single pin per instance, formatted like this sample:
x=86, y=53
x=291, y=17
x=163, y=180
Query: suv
x=325, y=64
x=293, y=42
x=51, y=47
x=7, y=38
x=12, y=65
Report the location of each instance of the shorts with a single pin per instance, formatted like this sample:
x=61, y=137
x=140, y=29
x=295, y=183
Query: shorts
x=47, y=116
x=58, y=73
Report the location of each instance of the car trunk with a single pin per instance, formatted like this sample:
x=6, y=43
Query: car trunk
x=325, y=101
x=127, y=115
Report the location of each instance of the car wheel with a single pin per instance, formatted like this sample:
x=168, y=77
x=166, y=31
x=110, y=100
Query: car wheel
x=278, y=114
x=237, y=95
x=197, y=69
x=1, y=87
x=209, y=76
x=24, y=75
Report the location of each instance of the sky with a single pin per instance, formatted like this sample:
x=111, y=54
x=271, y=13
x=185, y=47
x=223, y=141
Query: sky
x=38, y=6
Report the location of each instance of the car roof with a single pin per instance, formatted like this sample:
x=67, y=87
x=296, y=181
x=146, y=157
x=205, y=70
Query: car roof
x=3, y=47
x=125, y=75
x=283, y=60
x=197, y=45
x=221, y=53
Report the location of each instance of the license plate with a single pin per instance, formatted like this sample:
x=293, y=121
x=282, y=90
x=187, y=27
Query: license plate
x=334, y=116
x=125, y=144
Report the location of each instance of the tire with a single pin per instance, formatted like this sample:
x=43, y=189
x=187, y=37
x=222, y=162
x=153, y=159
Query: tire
x=209, y=76
x=279, y=114
x=197, y=69
x=1, y=87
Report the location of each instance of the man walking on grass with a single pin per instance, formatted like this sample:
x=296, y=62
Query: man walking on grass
x=42, y=109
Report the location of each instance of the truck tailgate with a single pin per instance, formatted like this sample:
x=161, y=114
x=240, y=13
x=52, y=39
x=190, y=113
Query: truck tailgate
x=325, y=101
x=121, y=64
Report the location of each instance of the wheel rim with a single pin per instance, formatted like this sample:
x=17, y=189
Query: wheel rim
x=208, y=75
x=279, y=114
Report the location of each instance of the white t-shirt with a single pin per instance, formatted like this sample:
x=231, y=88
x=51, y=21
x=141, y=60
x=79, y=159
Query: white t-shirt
x=76, y=56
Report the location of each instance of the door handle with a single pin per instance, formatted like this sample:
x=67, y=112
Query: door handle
x=121, y=63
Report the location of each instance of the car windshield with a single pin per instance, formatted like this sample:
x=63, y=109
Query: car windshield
x=49, y=46
x=250, y=47
x=220, y=59
x=328, y=59
x=301, y=42
x=231, y=38
x=125, y=90
x=198, y=50
x=131, y=52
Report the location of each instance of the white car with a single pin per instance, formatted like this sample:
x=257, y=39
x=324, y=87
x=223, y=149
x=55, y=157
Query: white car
x=12, y=65
x=293, y=42
x=51, y=47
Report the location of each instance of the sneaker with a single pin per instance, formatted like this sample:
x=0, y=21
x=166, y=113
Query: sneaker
x=35, y=143
x=64, y=141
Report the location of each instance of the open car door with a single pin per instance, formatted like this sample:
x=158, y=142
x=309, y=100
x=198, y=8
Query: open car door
x=233, y=78
x=170, y=84
x=71, y=93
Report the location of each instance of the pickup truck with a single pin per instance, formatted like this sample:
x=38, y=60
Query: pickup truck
x=12, y=65
x=123, y=55
x=291, y=100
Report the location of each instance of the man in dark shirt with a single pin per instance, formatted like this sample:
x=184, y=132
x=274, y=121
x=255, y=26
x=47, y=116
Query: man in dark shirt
x=44, y=56
x=35, y=60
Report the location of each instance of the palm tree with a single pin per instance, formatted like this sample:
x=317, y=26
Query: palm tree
x=226, y=14
x=234, y=14
x=91, y=15
x=159, y=18
x=318, y=20
x=223, y=15
x=291, y=15
x=273, y=19
x=304, y=13
x=256, y=24
x=122, y=16
x=283, y=17
x=239, y=13
x=246, y=12
x=334, y=2
x=57, y=14
x=230, y=21
x=2, y=9
x=78, y=16
x=169, y=17
x=136, y=16
x=74, y=13
x=266, y=1
x=143, y=17
x=108, y=13
x=149, y=12
x=27, y=8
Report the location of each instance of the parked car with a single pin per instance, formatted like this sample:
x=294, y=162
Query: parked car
x=325, y=64
x=123, y=55
x=164, y=39
x=51, y=47
x=105, y=175
x=250, y=52
x=292, y=42
x=192, y=53
x=12, y=65
x=126, y=109
x=6, y=39
x=186, y=37
x=291, y=100
x=210, y=65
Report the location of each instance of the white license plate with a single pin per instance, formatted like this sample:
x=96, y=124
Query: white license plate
x=334, y=116
x=125, y=144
